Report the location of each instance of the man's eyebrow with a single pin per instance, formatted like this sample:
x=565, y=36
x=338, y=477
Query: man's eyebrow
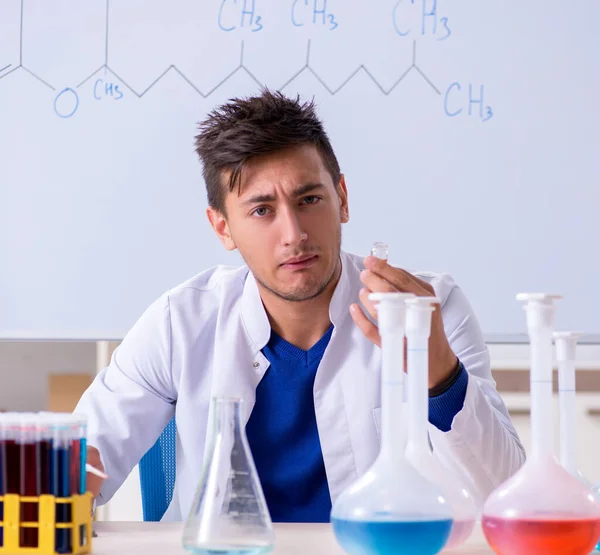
x=298, y=192
x=257, y=199
x=308, y=188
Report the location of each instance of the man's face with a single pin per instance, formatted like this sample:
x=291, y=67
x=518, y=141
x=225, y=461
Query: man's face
x=286, y=222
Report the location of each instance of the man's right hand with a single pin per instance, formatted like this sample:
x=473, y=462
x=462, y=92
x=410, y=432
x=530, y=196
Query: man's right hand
x=94, y=483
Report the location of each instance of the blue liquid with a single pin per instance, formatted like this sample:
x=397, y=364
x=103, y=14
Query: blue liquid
x=82, y=463
x=61, y=487
x=425, y=537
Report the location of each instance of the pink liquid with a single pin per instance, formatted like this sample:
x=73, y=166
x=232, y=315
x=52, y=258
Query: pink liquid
x=541, y=536
x=461, y=530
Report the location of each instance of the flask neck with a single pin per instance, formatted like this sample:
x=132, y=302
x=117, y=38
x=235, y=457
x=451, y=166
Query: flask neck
x=393, y=434
x=541, y=392
x=418, y=392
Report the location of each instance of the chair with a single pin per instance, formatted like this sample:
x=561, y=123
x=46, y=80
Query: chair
x=157, y=474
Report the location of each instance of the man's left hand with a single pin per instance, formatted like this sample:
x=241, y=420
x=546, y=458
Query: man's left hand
x=380, y=277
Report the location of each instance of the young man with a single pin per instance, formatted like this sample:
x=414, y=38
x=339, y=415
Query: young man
x=290, y=333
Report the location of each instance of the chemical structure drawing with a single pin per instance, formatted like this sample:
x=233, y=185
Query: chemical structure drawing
x=411, y=20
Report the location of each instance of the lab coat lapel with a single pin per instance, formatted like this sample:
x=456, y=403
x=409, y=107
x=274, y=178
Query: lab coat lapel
x=347, y=389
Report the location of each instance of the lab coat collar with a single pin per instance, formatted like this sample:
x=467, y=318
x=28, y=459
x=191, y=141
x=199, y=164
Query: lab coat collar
x=255, y=316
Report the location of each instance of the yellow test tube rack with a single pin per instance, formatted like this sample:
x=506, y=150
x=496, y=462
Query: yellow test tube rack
x=80, y=525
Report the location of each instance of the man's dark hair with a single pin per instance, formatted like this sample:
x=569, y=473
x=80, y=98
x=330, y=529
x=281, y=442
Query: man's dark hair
x=242, y=128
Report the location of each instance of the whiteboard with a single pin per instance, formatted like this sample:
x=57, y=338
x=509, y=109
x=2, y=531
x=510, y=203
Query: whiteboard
x=468, y=131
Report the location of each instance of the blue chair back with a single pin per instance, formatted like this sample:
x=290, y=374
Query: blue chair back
x=157, y=474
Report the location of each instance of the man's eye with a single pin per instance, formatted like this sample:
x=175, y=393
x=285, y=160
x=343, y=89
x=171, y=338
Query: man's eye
x=312, y=199
x=261, y=211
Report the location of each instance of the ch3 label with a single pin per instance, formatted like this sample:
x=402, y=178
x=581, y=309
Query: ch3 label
x=313, y=12
x=420, y=17
x=467, y=101
x=239, y=14
x=105, y=89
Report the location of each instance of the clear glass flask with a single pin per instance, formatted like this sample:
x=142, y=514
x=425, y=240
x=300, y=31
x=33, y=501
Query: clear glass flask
x=229, y=514
x=419, y=312
x=392, y=508
x=542, y=508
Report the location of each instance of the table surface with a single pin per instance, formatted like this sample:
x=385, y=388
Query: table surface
x=149, y=538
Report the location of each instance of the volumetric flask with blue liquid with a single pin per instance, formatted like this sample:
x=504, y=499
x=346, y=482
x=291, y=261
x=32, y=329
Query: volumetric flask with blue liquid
x=392, y=508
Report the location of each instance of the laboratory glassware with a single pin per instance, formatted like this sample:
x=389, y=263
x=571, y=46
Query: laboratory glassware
x=229, y=514
x=566, y=347
x=392, y=508
x=380, y=250
x=419, y=312
x=542, y=508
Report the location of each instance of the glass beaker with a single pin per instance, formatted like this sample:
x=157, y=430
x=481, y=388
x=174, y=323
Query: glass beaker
x=229, y=514
x=419, y=311
x=542, y=508
x=392, y=508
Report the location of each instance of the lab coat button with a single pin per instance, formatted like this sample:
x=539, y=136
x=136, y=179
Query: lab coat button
x=256, y=364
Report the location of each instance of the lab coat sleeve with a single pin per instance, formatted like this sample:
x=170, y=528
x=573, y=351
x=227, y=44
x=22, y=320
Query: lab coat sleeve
x=130, y=402
x=482, y=444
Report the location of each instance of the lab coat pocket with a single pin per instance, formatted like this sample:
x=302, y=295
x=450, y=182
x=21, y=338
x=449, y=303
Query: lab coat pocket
x=377, y=419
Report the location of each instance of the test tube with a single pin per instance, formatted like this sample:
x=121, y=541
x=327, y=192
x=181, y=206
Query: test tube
x=45, y=440
x=13, y=455
x=79, y=454
x=29, y=448
x=60, y=457
x=79, y=458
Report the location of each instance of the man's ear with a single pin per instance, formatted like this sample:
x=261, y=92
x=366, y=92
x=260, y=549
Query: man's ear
x=219, y=224
x=343, y=196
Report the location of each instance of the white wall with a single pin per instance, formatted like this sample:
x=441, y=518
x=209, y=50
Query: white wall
x=25, y=367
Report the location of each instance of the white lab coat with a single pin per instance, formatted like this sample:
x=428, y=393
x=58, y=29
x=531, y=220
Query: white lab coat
x=204, y=338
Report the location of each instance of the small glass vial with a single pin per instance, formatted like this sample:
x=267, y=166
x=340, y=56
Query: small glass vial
x=380, y=250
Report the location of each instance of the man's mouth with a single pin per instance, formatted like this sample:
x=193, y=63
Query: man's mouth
x=300, y=262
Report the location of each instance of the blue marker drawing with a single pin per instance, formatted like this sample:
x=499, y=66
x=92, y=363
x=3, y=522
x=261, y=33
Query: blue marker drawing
x=247, y=12
x=403, y=28
x=5, y=68
x=221, y=26
x=476, y=101
x=444, y=21
x=321, y=12
x=59, y=95
x=432, y=14
x=106, y=90
x=484, y=114
x=334, y=23
x=395, y=20
x=249, y=18
x=448, y=112
x=294, y=20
